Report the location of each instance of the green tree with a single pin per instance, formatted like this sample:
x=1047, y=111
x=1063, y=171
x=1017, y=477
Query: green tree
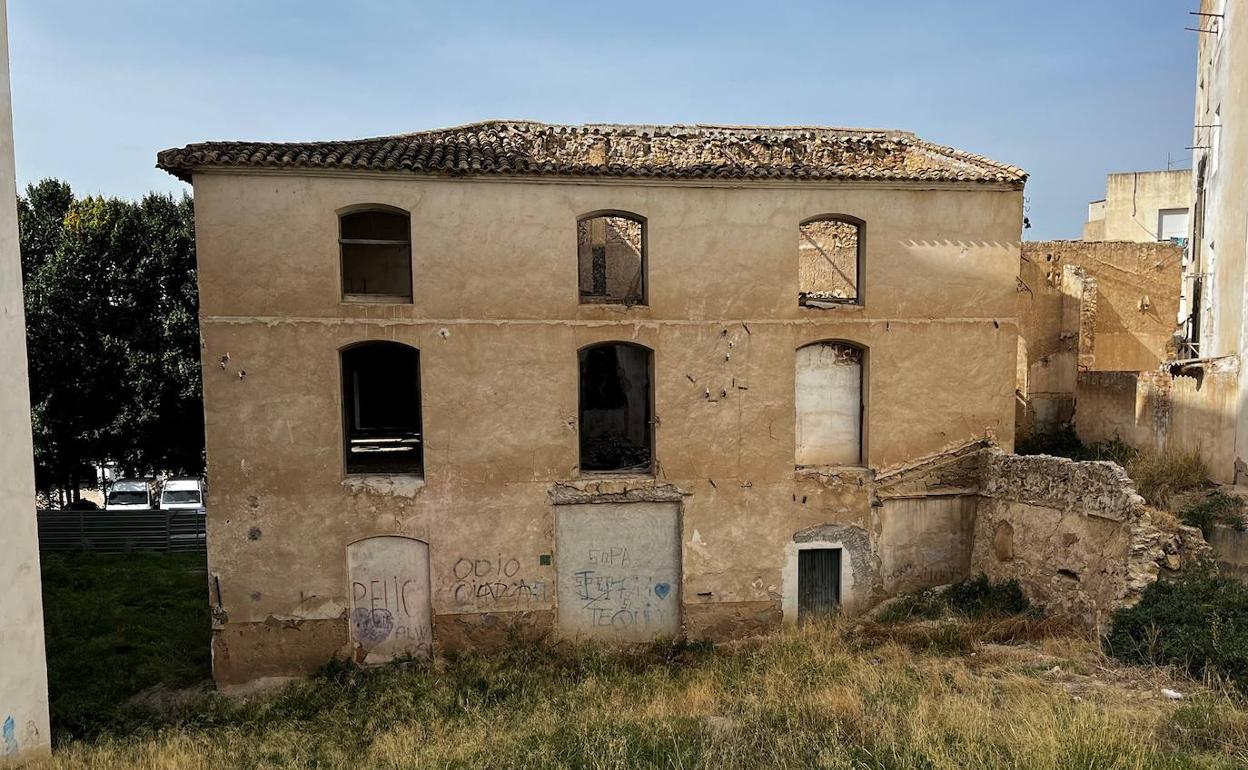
x=111, y=313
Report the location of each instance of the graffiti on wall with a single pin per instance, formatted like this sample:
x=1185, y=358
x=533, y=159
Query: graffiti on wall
x=391, y=612
x=388, y=608
x=492, y=580
x=619, y=571
x=8, y=738
x=615, y=596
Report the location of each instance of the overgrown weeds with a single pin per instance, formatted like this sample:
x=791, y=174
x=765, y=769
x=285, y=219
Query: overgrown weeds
x=1217, y=508
x=117, y=626
x=815, y=696
x=1158, y=476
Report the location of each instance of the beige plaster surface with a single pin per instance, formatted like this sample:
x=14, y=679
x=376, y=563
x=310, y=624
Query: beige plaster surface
x=496, y=318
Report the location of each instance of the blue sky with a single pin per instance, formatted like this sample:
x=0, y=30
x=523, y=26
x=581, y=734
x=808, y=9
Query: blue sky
x=1070, y=91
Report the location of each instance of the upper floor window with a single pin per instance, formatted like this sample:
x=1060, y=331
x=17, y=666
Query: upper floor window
x=611, y=258
x=381, y=408
x=829, y=404
x=615, y=407
x=376, y=255
x=829, y=267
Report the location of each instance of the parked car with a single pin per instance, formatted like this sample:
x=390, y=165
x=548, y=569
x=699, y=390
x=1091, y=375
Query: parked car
x=82, y=505
x=183, y=495
x=129, y=494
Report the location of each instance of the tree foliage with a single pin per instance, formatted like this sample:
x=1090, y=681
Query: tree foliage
x=112, y=336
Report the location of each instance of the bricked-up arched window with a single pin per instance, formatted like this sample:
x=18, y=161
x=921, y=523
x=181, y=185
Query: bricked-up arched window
x=381, y=408
x=829, y=267
x=611, y=258
x=376, y=248
x=830, y=404
x=616, y=403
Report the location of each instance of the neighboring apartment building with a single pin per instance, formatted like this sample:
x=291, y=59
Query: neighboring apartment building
x=24, y=729
x=1142, y=206
x=607, y=381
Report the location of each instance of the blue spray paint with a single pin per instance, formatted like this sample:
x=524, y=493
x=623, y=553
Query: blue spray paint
x=10, y=741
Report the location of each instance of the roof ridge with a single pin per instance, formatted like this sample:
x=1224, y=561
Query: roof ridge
x=675, y=151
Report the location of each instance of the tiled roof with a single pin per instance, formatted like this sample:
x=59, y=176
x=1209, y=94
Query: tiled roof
x=525, y=148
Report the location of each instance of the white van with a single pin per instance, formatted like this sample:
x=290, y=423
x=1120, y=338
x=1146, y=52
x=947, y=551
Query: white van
x=182, y=495
x=129, y=495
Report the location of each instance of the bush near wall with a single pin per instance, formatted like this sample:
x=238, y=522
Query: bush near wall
x=977, y=597
x=1198, y=622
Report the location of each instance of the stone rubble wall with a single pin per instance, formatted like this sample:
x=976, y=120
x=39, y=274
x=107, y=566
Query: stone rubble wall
x=1075, y=535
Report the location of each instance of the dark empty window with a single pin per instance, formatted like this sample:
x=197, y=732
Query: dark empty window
x=376, y=256
x=615, y=408
x=818, y=581
x=829, y=261
x=611, y=259
x=381, y=408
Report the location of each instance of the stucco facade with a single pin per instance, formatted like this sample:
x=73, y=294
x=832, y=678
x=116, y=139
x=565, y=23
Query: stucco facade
x=507, y=515
x=24, y=730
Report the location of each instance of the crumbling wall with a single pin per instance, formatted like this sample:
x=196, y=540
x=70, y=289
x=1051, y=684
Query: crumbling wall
x=1107, y=306
x=1075, y=535
x=1193, y=410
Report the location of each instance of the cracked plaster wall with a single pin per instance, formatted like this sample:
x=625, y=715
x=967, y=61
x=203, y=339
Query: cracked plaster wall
x=499, y=380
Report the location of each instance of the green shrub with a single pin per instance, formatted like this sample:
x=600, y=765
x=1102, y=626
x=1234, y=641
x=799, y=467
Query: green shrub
x=981, y=598
x=1217, y=508
x=1059, y=443
x=1198, y=622
x=976, y=598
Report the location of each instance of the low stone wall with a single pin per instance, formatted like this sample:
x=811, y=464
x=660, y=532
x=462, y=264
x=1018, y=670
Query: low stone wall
x=1075, y=535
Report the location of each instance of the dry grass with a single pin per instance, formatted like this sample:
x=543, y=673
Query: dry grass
x=822, y=696
x=1161, y=476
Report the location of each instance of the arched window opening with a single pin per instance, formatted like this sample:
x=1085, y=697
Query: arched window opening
x=376, y=256
x=829, y=267
x=381, y=408
x=611, y=258
x=615, y=408
x=829, y=403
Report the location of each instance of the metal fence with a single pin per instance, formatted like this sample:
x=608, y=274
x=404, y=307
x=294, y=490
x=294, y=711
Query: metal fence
x=122, y=531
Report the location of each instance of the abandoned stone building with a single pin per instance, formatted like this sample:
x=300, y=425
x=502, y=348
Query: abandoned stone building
x=1090, y=311
x=610, y=381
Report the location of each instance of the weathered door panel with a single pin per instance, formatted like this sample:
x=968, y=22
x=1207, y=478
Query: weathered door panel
x=391, y=612
x=619, y=570
x=818, y=581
